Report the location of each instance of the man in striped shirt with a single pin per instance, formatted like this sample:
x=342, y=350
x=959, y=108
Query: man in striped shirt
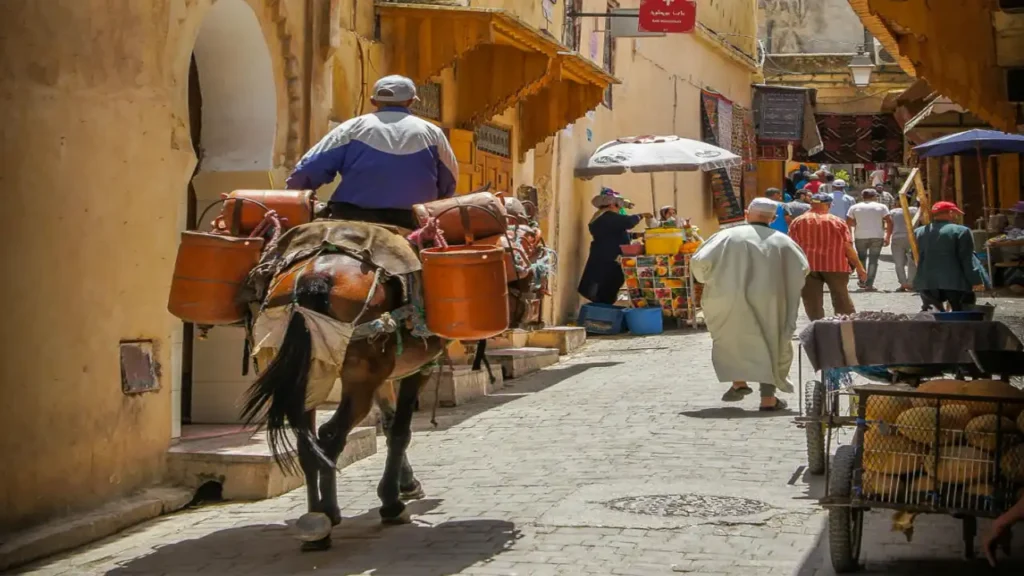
x=827, y=242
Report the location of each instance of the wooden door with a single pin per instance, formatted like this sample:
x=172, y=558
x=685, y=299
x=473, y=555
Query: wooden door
x=496, y=170
x=464, y=146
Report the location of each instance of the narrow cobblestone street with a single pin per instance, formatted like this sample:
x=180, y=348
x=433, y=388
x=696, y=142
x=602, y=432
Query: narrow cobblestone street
x=620, y=460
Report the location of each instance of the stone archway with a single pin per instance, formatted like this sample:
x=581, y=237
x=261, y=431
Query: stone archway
x=234, y=124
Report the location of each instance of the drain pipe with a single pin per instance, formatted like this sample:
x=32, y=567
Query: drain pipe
x=307, y=112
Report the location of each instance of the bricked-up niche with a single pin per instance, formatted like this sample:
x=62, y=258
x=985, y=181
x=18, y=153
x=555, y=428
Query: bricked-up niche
x=138, y=369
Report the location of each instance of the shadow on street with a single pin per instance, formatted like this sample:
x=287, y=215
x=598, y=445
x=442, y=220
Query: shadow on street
x=513, y=390
x=361, y=544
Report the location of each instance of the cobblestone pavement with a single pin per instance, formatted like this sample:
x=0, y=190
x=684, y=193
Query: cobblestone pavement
x=618, y=461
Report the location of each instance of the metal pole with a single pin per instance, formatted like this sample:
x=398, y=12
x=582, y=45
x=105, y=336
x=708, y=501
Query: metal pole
x=654, y=201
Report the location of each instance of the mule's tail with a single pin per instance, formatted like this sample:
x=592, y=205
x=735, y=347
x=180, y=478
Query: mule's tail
x=277, y=399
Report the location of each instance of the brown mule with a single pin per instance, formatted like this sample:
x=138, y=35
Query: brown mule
x=340, y=286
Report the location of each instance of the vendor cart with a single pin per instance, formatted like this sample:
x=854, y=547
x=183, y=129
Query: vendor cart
x=919, y=452
x=885, y=351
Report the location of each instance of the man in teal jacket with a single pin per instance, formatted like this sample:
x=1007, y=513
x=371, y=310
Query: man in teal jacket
x=947, y=270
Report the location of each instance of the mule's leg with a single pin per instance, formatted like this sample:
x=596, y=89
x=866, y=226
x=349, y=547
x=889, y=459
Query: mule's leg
x=314, y=527
x=392, y=510
x=408, y=486
x=356, y=400
x=481, y=357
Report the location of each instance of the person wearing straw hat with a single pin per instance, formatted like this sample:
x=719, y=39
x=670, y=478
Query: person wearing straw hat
x=389, y=161
x=752, y=278
x=947, y=270
x=609, y=228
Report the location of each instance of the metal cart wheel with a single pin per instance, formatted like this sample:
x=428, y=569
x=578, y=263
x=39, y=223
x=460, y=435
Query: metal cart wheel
x=814, y=406
x=845, y=524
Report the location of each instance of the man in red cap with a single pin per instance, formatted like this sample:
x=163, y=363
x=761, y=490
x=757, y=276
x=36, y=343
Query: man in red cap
x=947, y=270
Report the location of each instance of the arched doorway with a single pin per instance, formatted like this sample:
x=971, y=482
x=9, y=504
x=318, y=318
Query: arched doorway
x=233, y=122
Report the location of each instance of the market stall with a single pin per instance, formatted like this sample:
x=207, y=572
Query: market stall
x=657, y=266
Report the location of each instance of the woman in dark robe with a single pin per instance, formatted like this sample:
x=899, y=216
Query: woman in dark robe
x=602, y=276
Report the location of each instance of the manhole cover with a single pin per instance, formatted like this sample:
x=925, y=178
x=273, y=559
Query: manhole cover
x=688, y=505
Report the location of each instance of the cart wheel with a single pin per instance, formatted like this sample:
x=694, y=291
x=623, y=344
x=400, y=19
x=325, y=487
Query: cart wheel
x=814, y=405
x=845, y=524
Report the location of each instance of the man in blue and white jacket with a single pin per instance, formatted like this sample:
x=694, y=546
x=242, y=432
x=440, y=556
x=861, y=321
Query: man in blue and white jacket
x=389, y=161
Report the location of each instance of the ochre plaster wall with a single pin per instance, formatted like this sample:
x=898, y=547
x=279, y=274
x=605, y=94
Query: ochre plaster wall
x=96, y=158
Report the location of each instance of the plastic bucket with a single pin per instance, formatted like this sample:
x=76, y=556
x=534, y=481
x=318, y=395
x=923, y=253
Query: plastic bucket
x=663, y=240
x=465, y=291
x=644, y=321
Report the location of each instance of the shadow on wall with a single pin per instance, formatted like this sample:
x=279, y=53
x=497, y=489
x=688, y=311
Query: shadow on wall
x=361, y=545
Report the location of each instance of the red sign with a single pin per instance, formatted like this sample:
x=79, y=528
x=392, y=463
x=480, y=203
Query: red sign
x=672, y=16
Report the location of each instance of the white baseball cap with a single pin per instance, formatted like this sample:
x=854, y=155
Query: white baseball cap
x=394, y=88
x=838, y=183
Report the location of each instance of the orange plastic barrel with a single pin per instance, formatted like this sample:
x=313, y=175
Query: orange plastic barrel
x=465, y=291
x=208, y=273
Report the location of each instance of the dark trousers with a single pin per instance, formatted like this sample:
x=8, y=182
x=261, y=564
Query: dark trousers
x=813, y=294
x=958, y=299
x=387, y=216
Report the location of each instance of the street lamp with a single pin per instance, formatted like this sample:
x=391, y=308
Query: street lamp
x=861, y=67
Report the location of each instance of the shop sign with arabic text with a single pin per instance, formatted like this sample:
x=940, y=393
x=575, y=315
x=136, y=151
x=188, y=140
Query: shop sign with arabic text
x=670, y=16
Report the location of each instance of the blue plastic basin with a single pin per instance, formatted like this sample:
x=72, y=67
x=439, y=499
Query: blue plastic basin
x=644, y=321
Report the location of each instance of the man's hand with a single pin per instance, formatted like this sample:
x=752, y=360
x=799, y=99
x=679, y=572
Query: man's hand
x=996, y=534
x=887, y=241
x=862, y=274
x=647, y=215
x=978, y=288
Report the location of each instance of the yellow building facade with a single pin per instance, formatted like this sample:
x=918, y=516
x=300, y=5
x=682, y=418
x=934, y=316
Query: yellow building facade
x=117, y=136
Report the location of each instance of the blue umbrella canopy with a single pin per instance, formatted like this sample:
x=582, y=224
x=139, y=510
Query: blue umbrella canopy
x=972, y=142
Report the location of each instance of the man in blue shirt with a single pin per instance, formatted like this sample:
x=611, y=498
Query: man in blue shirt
x=841, y=201
x=389, y=161
x=782, y=216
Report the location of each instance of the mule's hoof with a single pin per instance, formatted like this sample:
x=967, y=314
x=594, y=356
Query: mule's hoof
x=313, y=527
x=416, y=493
x=317, y=545
x=405, y=517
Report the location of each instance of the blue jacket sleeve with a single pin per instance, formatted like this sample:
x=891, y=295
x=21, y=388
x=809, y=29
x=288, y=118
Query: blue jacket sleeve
x=965, y=255
x=322, y=163
x=447, y=168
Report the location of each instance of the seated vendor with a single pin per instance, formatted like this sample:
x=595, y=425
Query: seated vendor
x=666, y=218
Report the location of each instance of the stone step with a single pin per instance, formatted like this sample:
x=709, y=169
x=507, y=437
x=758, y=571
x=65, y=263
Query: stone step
x=510, y=339
x=242, y=464
x=459, y=387
x=567, y=339
x=518, y=362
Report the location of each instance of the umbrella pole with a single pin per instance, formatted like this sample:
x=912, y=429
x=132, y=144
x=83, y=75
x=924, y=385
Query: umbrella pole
x=983, y=172
x=654, y=202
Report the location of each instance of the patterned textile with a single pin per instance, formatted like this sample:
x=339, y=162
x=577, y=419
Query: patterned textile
x=748, y=150
x=727, y=204
x=772, y=151
x=859, y=139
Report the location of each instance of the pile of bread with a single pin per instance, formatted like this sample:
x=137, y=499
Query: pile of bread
x=900, y=442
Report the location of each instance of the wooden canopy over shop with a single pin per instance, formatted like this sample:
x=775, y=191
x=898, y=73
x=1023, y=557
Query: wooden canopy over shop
x=573, y=87
x=500, y=58
x=949, y=43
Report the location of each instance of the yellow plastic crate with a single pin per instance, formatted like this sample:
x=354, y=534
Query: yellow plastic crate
x=663, y=240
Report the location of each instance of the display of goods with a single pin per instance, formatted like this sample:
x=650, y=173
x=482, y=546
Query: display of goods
x=960, y=465
x=890, y=453
x=658, y=281
x=885, y=485
x=922, y=484
x=886, y=408
x=981, y=431
x=463, y=219
x=989, y=388
x=1012, y=465
x=294, y=207
x=918, y=424
x=867, y=316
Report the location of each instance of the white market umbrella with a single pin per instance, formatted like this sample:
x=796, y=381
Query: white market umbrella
x=650, y=154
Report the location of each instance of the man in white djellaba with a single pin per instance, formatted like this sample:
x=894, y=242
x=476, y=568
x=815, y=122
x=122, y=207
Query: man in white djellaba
x=752, y=278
